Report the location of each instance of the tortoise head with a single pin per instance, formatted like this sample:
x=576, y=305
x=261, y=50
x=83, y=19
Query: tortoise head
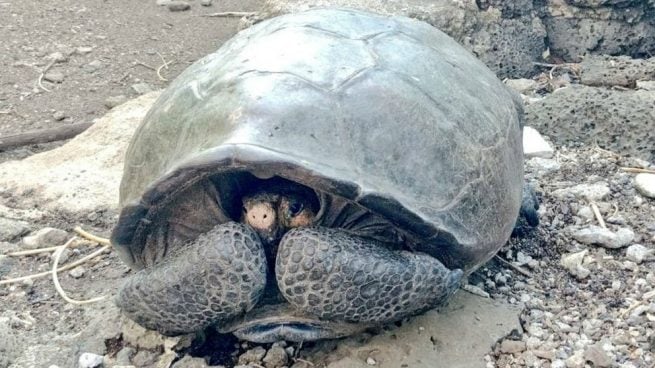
x=273, y=209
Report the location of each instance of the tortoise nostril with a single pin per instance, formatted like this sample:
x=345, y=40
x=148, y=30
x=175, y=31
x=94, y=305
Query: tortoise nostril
x=265, y=215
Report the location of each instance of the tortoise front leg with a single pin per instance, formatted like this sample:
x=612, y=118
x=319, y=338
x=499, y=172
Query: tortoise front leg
x=335, y=275
x=220, y=276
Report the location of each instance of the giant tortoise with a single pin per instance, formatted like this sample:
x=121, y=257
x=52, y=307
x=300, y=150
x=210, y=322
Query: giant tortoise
x=322, y=172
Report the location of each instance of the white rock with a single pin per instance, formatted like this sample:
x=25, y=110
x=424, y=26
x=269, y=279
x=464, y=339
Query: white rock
x=534, y=145
x=604, y=237
x=46, y=237
x=576, y=360
x=637, y=253
x=573, y=263
x=557, y=363
x=645, y=184
x=593, y=192
x=89, y=360
x=646, y=85
x=521, y=85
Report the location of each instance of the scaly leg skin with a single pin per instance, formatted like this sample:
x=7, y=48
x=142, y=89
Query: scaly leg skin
x=337, y=276
x=220, y=276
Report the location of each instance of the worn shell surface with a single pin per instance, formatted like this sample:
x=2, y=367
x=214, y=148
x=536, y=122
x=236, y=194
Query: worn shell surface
x=388, y=112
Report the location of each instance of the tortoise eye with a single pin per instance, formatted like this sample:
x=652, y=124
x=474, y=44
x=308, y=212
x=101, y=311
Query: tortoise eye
x=295, y=207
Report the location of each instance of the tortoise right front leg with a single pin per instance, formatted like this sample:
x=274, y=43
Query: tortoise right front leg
x=339, y=276
x=218, y=277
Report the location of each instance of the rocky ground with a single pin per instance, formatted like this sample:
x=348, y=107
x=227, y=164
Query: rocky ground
x=583, y=282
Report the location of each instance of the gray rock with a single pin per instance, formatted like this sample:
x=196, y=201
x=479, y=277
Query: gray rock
x=77, y=272
x=141, y=88
x=114, y=101
x=190, y=362
x=93, y=66
x=144, y=358
x=637, y=253
x=542, y=166
x=645, y=184
x=576, y=360
x=124, y=356
x=89, y=360
x=604, y=237
x=46, y=237
x=522, y=85
x=83, y=50
x=11, y=229
x=57, y=57
x=54, y=77
x=512, y=346
x=9, y=343
x=176, y=6
x=596, y=355
x=276, y=357
x=206, y=2
x=578, y=28
x=603, y=70
x=592, y=192
x=621, y=121
x=6, y=264
x=254, y=355
x=534, y=145
x=163, y=2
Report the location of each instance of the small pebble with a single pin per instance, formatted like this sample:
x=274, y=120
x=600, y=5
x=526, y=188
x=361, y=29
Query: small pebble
x=512, y=346
x=141, y=88
x=46, y=237
x=637, y=253
x=114, y=101
x=371, y=361
x=54, y=77
x=573, y=264
x=604, y=237
x=522, y=85
x=645, y=184
x=276, y=357
x=206, y=2
x=254, y=355
x=59, y=115
x=591, y=192
x=176, y=6
x=77, y=272
x=89, y=360
x=93, y=66
x=83, y=50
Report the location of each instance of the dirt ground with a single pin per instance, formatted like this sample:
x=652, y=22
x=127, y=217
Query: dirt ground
x=105, y=47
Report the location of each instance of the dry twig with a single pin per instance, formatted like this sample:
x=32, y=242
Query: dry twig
x=137, y=62
x=64, y=268
x=636, y=170
x=39, y=82
x=232, y=14
x=518, y=269
x=55, y=278
x=91, y=237
x=32, y=252
x=599, y=217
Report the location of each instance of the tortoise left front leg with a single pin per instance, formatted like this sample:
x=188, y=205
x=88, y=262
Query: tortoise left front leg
x=338, y=276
